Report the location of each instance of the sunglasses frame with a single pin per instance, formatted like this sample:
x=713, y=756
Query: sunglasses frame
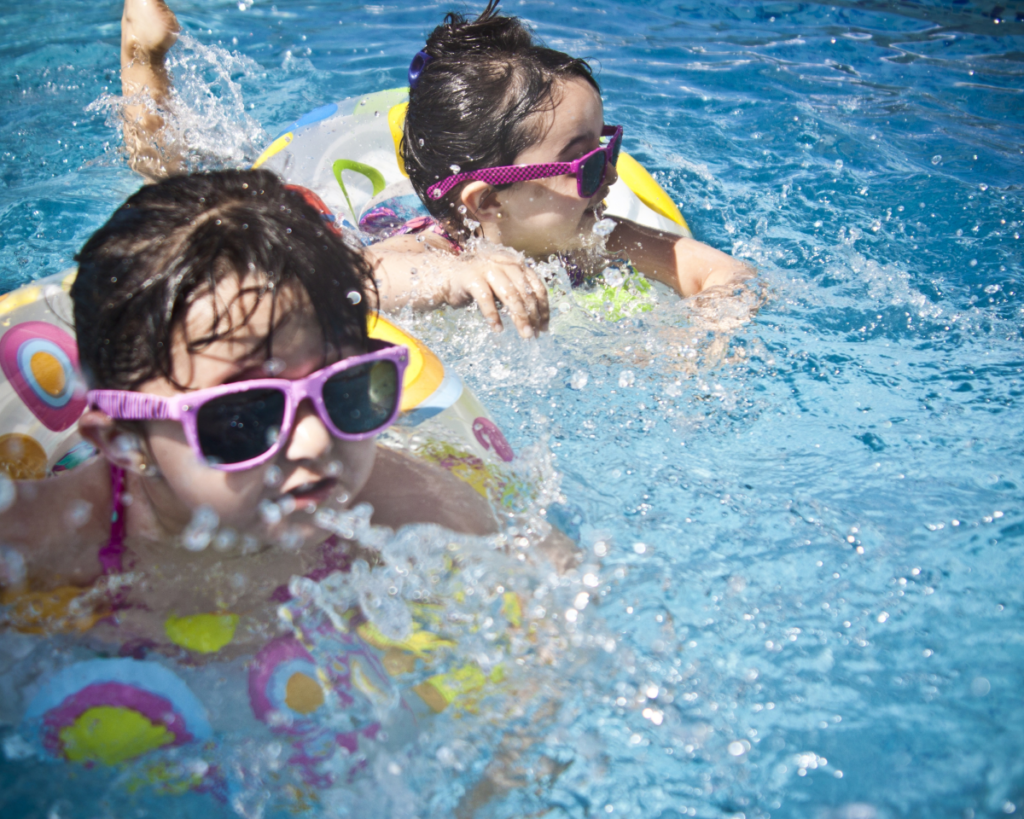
x=507, y=174
x=136, y=406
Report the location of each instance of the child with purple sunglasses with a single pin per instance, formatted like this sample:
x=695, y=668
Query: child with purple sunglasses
x=506, y=140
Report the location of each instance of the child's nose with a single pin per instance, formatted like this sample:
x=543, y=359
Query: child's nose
x=310, y=438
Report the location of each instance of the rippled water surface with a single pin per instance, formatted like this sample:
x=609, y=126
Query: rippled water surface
x=807, y=530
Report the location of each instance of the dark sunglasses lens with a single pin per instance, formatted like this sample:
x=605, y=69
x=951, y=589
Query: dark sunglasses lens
x=362, y=398
x=616, y=146
x=592, y=174
x=239, y=427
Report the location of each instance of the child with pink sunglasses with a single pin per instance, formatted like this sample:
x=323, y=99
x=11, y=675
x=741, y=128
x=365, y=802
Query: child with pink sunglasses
x=222, y=330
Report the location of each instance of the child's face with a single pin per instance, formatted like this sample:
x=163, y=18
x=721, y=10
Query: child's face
x=547, y=216
x=312, y=470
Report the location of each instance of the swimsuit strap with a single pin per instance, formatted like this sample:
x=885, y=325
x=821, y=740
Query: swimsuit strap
x=421, y=223
x=111, y=555
x=576, y=275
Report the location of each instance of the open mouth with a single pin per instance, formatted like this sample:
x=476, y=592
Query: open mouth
x=311, y=492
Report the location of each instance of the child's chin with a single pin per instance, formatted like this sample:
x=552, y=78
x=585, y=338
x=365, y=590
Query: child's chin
x=297, y=532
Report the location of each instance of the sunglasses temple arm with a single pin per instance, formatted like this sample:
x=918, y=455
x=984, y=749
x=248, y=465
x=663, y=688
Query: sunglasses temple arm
x=505, y=175
x=132, y=406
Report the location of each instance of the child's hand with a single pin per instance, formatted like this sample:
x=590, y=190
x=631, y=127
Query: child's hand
x=488, y=279
x=422, y=273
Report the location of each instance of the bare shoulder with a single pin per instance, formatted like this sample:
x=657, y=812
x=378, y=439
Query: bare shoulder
x=404, y=489
x=54, y=524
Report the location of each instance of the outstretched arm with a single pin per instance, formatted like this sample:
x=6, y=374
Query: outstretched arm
x=148, y=30
x=686, y=265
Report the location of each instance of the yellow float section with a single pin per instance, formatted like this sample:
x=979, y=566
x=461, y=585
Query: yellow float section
x=396, y=122
x=274, y=147
x=424, y=373
x=647, y=189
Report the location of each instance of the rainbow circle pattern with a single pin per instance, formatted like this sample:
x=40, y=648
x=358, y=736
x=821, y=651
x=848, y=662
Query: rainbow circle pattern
x=287, y=688
x=114, y=710
x=40, y=361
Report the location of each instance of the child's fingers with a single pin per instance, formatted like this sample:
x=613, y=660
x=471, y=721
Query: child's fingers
x=512, y=296
x=540, y=291
x=532, y=292
x=482, y=294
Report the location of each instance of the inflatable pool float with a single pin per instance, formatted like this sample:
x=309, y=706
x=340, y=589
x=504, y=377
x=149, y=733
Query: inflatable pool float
x=42, y=396
x=347, y=152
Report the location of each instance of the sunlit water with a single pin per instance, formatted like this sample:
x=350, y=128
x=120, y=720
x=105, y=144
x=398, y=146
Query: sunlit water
x=805, y=532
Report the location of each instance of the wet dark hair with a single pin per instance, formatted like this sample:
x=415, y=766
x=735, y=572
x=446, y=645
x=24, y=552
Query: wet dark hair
x=171, y=245
x=473, y=103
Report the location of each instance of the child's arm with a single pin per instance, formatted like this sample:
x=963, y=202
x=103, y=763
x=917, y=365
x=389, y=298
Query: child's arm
x=148, y=30
x=52, y=530
x=686, y=265
x=404, y=490
x=425, y=274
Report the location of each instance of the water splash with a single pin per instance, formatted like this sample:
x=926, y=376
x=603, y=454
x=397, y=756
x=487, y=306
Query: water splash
x=207, y=121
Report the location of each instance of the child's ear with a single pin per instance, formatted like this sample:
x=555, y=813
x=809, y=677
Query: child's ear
x=481, y=201
x=119, y=446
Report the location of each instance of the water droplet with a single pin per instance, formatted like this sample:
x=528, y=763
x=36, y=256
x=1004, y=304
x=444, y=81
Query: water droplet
x=77, y=514
x=270, y=512
x=334, y=469
x=980, y=686
x=640, y=548
x=613, y=276
x=8, y=492
x=604, y=227
x=273, y=366
x=224, y=540
x=12, y=566
x=286, y=505
x=626, y=379
x=455, y=169
x=201, y=529
x=273, y=475
x=578, y=380
x=355, y=296
x=937, y=159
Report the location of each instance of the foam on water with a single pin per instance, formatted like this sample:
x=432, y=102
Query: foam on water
x=802, y=532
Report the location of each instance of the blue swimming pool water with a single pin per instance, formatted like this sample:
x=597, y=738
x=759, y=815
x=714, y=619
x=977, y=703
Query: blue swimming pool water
x=810, y=599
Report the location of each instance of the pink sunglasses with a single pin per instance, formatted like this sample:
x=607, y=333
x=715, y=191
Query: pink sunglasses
x=590, y=170
x=241, y=425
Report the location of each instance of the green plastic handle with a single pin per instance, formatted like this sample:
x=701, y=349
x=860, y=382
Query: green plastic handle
x=376, y=179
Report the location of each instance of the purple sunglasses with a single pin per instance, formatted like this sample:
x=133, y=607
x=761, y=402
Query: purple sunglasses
x=590, y=169
x=241, y=425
